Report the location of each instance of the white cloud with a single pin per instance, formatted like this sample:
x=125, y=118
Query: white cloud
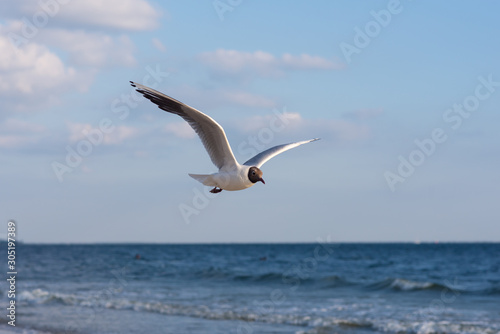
x=79, y=131
x=76, y=131
x=30, y=62
x=19, y=126
x=159, y=45
x=293, y=122
x=247, y=99
x=125, y=15
x=202, y=99
x=344, y=130
x=17, y=133
x=258, y=122
x=36, y=72
x=132, y=15
x=180, y=129
x=120, y=134
x=308, y=62
x=12, y=141
x=233, y=62
x=91, y=49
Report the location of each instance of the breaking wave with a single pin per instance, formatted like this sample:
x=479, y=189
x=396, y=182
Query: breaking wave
x=401, y=284
x=316, y=323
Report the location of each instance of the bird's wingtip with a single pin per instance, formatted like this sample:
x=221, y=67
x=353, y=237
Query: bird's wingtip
x=133, y=84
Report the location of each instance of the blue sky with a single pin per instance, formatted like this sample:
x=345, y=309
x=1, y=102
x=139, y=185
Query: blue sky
x=405, y=96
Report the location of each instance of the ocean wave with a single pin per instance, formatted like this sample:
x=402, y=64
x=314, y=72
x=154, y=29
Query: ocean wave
x=40, y=296
x=212, y=273
x=267, y=277
x=413, y=327
x=407, y=285
x=334, y=281
x=8, y=329
x=492, y=291
x=436, y=327
x=401, y=284
x=215, y=273
x=315, y=323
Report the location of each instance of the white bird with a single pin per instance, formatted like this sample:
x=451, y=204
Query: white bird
x=231, y=175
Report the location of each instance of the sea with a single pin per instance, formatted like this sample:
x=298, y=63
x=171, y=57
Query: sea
x=316, y=288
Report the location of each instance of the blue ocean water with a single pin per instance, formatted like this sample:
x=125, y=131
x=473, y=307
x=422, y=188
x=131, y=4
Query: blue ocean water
x=257, y=288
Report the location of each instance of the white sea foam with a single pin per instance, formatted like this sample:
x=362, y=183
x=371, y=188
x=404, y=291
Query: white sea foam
x=7, y=329
x=408, y=285
x=435, y=327
x=320, y=323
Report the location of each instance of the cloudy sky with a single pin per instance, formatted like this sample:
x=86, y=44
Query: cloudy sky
x=405, y=96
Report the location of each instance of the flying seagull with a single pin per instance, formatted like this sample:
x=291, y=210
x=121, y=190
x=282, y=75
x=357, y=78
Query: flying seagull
x=231, y=175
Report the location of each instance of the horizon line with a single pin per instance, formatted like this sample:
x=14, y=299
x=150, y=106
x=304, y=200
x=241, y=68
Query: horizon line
x=435, y=242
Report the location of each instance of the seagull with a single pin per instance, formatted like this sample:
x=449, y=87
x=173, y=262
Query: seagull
x=232, y=175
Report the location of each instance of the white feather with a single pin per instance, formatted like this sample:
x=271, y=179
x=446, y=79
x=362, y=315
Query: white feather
x=264, y=156
x=212, y=135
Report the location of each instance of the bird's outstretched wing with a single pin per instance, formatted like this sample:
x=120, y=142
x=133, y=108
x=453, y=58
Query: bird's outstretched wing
x=262, y=157
x=212, y=135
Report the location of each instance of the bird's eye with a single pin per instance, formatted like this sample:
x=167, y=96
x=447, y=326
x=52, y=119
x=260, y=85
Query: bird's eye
x=253, y=172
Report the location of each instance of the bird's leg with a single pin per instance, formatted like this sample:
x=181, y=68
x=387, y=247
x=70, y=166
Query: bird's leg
x=215, y=190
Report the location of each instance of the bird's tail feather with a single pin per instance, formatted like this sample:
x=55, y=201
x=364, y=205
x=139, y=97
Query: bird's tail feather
x=206, y=179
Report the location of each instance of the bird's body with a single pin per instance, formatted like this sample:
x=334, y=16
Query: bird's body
x=231, y=175
x=233, y=179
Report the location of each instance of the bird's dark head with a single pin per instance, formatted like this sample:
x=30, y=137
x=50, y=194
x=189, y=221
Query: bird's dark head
x=255, y=175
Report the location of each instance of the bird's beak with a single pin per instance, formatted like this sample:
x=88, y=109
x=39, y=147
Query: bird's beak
x=262, y=180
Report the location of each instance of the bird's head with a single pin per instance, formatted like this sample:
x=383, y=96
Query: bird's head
x=255, y=175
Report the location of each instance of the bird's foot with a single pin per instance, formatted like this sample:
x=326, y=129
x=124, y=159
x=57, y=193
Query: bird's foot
x=215, y=190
